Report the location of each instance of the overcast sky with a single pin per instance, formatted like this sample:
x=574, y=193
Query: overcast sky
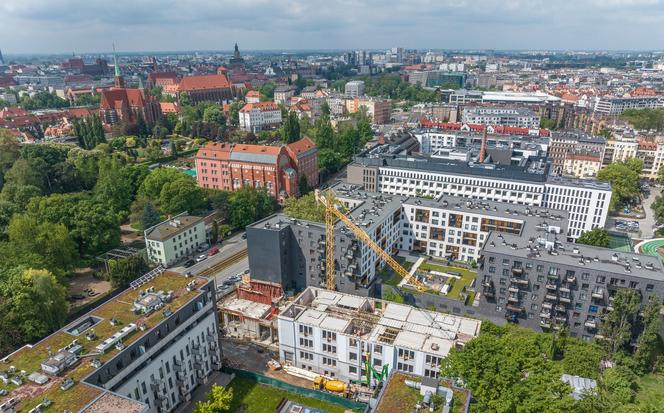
x=28, y=26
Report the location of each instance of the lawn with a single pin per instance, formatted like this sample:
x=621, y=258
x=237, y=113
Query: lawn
x=390, y=277
x=467, y=277
x=252, y=397
x=651, y=388
x=398, y=397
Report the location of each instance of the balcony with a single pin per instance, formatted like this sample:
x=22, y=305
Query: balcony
x=552, y=276
x=198, y=366
x=517, y=271
x=570, y=279
x=513, y=288
x=545, y=315
x=565, y=299
x=514, y=308
x=489, y=292
x=487, y=282
x=522, y=281
x=561, y=308
x=180, y=377
x=545, y=324
x=564, y=289
x=599, y=294
x=183, y=391
x=551, y=297
x=546, y=305
x=561, y=319
x=513, y=298
x=590, y=324
x=552, y=287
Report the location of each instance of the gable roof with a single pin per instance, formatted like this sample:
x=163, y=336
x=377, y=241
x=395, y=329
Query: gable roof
x=262, y=106
x=118, y=97
x=190, y=83
x=302, y=147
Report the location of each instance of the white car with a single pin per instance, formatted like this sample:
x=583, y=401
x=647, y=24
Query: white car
x=201, y=257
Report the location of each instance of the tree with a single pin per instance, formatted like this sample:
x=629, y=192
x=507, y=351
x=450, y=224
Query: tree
x=181, y=195
x=305, y=207
x=213, y=114
x=19, y=195
x=149, y=216
x=155, y=181
x=36, y=304
x=114, y=186
x=234, y=112
x=125, y=270
x=624, y=181
x=153, y=150
x=174, y=149
x=598, y=237
x=214, y=235
x=27, y=172
x=267, y=90
x=10, y=150
x=616, y=327
x=184, y=99
x=646, y=354
x=547, y=123
x=645, y=118
x=248, y=205
x=50, y=241
x=290, y=129
x=89, y=132
x=303, y=185
x=218, y=400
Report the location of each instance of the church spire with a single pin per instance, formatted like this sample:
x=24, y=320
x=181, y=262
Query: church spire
x=119, y=82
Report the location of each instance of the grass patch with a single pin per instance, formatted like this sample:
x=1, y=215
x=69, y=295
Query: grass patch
x=458, y=284
x=252, y=397
x=651, y=389
x=390, y=277
x=394, y=297
x=397, y=396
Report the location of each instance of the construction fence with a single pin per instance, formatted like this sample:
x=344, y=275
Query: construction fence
x=314, y=394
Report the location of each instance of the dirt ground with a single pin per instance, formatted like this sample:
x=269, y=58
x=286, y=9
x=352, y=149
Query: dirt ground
x=246, y=356
x=82, y=280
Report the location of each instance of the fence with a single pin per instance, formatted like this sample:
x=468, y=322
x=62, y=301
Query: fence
x=314, y=394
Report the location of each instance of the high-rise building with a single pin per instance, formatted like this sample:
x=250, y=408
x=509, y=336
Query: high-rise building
x=2, y=60
x=354, y=89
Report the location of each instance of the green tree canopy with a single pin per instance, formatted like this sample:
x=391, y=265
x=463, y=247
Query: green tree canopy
x=598, y=237
x=305, y=207
x=624, y=180
x=218, y=400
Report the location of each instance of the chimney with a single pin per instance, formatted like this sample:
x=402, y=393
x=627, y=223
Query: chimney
x=483, y=146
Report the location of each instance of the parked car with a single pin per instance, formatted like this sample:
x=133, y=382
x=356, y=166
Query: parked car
x=189, y=263
x=244, y=236
x=201, y=257
x=213, y=251
x=202, y=247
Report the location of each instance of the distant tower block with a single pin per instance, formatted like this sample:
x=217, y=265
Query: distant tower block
x=2, y=61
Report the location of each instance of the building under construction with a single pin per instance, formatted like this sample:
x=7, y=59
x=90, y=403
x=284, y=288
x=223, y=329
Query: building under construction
x=353, y=338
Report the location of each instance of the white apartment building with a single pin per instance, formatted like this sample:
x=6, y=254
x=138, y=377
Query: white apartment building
x=354, y=89
x=456, y=228
x=335, y=334
x=519, y=117
x=434, y=140
x=174, y=239
x=587, y=201
x=255, y=117
x=611, y=105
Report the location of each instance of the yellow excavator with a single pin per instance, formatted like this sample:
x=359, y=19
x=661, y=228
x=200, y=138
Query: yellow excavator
x=331, y=214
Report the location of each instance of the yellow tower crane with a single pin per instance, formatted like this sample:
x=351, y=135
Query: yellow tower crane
x=331, y=214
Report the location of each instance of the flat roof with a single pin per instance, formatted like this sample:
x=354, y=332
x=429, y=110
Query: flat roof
x=576, y=255
x=120, y=308
x=169, y=228
x=247, y=308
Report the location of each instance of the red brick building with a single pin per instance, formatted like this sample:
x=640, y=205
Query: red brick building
x=161, y=79
x=207, y=88
x=229, y=167
x=305, y=155
x=123, y=104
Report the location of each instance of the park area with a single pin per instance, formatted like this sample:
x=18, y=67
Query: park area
x=457, y=278
x=252, y=397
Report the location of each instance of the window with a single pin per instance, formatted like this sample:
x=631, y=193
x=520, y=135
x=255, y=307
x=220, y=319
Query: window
x=352, y=356
x=352, y=370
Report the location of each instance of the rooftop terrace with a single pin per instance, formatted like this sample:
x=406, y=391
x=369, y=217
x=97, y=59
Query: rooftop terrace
x=113, y=317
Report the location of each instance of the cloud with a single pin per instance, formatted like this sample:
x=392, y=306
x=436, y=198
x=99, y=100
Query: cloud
x=92, y=25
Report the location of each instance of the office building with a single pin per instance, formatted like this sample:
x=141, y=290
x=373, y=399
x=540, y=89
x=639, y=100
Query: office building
x=333, y=334
x=527, y=183
x=144, y=351
x=354, y=89
x=519, y=117
x=176, y=238
x=547, y=284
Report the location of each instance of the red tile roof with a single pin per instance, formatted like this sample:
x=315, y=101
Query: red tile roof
x=302, y=145
x=190, y=83
x=497, y=129
x=262, y=106
x=253, y=93
x=169, y=107
x=257, y=149
x=117, y=97
x=215, y=150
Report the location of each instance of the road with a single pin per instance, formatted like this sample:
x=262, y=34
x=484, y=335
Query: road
x=647, y=224
x=231, y=259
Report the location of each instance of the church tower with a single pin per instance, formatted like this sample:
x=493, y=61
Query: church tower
x=119, y=81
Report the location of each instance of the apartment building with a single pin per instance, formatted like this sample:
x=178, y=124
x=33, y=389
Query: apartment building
x=336, y=335
x=145, y=351
x=255, y=117
x=292, y=252
x=519, y=117
x=434, y=140
x=378, y=110
x=528, y=183
x=456, y=228
x=354, y=89
x=563, y=143
x=547, y=284
x=612, y=105
x=283, y=93
x=174, y=239
x=582, y=164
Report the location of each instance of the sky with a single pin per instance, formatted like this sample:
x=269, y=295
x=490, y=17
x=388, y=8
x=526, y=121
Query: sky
x=66, y=26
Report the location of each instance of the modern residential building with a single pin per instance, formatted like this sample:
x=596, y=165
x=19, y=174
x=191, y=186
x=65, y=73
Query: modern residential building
x=176, y=238
x=334, y=334
x=548, y=284
x=231, y=167
x=354, y=89
x=144, y=351
x=255, y=117
x=519, y=117
x=463, y=96
x=207, y=88
x=612, y=105
x=527, y=183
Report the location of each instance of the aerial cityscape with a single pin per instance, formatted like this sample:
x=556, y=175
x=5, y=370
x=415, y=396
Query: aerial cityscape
x=331, y=207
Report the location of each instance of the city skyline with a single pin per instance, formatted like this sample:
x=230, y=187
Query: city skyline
x=60, y=26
